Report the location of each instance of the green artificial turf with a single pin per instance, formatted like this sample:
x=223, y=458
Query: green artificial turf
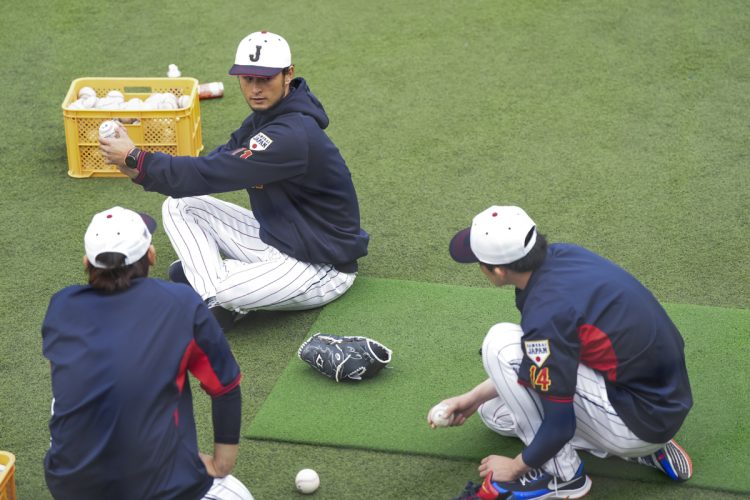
x=619, y=125
x=435, y=331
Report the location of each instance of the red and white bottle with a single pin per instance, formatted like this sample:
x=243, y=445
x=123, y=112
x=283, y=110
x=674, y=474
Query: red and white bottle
x=210, y=90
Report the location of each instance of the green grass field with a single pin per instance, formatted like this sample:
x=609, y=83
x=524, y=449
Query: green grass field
x=622, y=126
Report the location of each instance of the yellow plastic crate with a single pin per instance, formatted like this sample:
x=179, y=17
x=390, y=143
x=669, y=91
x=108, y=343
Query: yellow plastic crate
x=176, y=132
x=7, y=476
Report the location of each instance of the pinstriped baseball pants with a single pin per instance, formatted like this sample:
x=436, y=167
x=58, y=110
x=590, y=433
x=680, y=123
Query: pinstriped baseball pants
x=223, y=256
x=517, y=410
x=228, y=488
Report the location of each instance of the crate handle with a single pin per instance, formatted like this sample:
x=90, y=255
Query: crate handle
x=137, y=90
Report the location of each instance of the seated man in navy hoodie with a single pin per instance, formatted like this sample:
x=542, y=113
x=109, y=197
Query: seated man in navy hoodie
x=298, y=247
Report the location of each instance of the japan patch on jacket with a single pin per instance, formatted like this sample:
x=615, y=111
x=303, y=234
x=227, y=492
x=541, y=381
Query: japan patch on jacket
x=537, y=351
x=260, y=142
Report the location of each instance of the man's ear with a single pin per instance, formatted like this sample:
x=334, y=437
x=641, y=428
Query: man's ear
x=151, y=253
x=85, y=261
x=289, y=76
x=500, y=271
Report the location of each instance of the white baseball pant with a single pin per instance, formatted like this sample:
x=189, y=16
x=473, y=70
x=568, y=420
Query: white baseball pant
x=228, y=488
x=517, y=411
x=223, y=256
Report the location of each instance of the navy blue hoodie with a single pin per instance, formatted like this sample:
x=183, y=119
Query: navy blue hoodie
x=300, y=188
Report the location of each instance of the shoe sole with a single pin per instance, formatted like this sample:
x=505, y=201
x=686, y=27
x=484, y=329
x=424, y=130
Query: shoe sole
x=679, y=460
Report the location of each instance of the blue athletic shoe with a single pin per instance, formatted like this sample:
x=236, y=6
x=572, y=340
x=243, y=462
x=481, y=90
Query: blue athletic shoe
x=537, y=484
x=176, y=273
x=224, y=317
x=487, y=490
x=672, y=460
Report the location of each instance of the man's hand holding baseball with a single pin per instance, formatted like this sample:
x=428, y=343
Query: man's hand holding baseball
x=115, y=150
x=465, y=405
x=460, y=407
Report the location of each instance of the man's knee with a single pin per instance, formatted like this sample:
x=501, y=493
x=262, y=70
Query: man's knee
x=169, y=207
x=496, y=415
x=504, y=341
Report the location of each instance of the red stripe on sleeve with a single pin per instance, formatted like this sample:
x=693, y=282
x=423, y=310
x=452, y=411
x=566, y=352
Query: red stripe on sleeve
x=597, y=351
x=181, y=374
x=182, y=371
x=200, y=366
x=555, y=399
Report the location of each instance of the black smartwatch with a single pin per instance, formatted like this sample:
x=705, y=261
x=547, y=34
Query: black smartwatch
x=131, y=160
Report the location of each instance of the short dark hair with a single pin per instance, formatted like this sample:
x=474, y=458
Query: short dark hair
x=529, y=262
x=117, y=276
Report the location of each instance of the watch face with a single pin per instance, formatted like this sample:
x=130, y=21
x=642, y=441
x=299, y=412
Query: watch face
x=131, y=160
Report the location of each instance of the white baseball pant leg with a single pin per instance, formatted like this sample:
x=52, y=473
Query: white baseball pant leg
x=517, y=411
x=228, y=488
x=223, y=256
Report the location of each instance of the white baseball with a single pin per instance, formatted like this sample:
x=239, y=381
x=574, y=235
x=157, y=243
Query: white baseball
x=135, y=104
x=116, y=95
x=86, y=91
x=107, y=129
x=307, y=481
x=108, y=103
x=166, y=104
x=88, y=101
x=170, y=97
x=183, y=101
x=153, y=99
x=439, y=417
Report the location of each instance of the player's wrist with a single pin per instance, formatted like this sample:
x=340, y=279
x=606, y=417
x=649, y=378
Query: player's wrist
x=224, y=458
x=521, y=467
x=134, y=158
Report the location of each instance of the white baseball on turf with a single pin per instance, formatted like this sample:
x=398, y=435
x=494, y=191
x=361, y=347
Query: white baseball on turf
x=439, y=417
x=307, y=481
x=107, y=129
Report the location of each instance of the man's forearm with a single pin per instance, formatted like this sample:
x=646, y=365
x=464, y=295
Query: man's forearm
x=483, y=392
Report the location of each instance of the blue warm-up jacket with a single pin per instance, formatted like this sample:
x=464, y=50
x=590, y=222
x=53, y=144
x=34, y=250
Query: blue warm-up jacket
x=300, y=188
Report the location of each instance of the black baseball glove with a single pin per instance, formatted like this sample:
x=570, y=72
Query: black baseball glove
x=344, y=358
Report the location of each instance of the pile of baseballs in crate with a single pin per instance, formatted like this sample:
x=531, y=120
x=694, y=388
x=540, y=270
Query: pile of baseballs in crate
x=115, y=100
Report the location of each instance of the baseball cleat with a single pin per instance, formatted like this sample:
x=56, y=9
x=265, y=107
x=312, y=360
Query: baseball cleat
x=484, y=491
x=224, y=317
x=176, y=273
x=672, y=460
x=537, y=484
